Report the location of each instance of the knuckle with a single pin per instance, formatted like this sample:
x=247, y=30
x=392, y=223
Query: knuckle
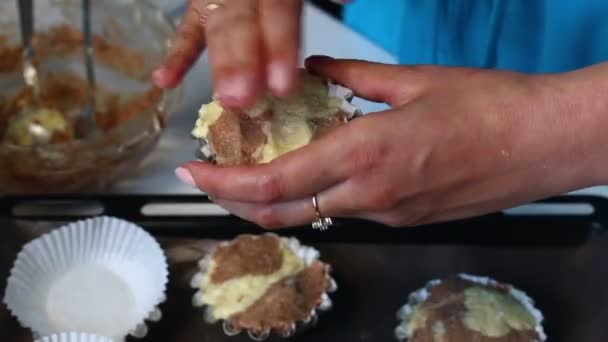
x=201, y=10
x=214, y=26
x=422, y=160
x=229, y=15
x=187, y=44
x=367, y=156
x=422, y=80
x=182, y=55
x=267, y=218
x=244, y=15
x=283, y=7
x=383, y=199
x=210, y=190
x=271, y=188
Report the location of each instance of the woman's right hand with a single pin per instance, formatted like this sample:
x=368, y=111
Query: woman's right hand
x=253, y=46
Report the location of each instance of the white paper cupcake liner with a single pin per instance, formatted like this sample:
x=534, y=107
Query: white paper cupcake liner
x=74, y=337
x=350, y=111
x=305, y=253
x=101, y=276
x=418, y=297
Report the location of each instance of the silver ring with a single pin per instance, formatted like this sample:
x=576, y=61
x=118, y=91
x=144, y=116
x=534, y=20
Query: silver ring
x=321, y=223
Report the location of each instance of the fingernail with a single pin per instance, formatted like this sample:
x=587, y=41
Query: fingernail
x=185, y=176
x=234, y=89
x=159, y=78
x=311, y=60
x=279, y=77
x=320, y=57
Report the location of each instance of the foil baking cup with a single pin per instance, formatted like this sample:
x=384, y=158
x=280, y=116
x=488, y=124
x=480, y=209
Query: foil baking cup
x=306, y=254
x=405, y=313
x=350, y=111
x=74, y=337
x=101, y=276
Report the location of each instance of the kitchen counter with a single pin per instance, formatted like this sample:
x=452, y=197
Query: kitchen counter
x=559, y=261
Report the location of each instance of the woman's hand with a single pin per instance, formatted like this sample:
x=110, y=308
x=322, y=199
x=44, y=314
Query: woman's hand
x=457, y=143
x=253, y=46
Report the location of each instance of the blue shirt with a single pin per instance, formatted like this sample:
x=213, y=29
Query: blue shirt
x=522, y=35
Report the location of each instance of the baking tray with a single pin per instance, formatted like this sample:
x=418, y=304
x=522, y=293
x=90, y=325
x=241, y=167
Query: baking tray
x=560, y=260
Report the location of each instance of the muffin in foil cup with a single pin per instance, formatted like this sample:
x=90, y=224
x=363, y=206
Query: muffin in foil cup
x=313, y=111
x=465, y=308
x=74, y=337
x=102, y=276
x=263, y=285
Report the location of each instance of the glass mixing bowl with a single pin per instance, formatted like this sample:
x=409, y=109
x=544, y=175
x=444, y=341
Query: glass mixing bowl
x=130, y=40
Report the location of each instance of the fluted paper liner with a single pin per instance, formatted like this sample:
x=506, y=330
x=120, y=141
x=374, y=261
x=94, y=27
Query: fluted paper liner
x=416, y=298
x=101, y=276
x=74, y=337
x=306, y=254
x=349, y=110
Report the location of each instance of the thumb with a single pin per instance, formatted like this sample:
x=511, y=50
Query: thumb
x=392, y=84
x=186, y=47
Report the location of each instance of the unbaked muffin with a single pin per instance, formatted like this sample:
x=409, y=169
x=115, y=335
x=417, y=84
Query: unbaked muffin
x=262, y=284
x=467, y=308
x=273, y=126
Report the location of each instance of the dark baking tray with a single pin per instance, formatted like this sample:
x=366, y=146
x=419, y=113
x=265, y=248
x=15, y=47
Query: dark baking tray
x=560, y=260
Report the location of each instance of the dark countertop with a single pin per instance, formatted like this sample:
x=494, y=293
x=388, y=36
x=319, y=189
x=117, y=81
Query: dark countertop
x=568, y=282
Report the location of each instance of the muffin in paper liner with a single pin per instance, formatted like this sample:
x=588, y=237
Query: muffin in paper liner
x=462, y=306
x=250, y=281
x=100, y=276
x=74, y=337
x=273, y=126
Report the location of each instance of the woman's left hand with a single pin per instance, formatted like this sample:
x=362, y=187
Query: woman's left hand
x=457, y=143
